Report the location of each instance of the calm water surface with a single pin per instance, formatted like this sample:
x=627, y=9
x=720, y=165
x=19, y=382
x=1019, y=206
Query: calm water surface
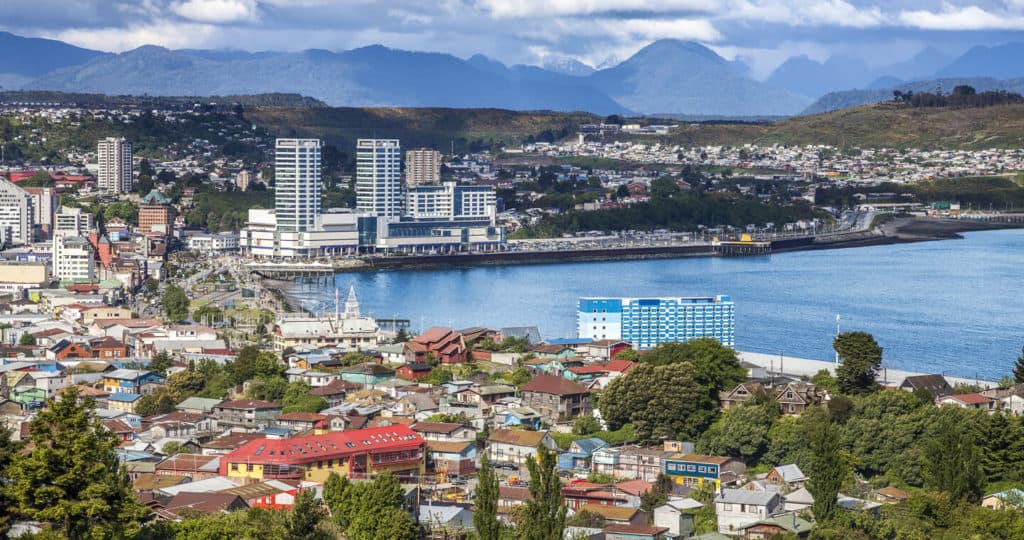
x=955, y=306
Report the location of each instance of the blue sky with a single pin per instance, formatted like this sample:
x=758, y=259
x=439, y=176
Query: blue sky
x=762, y=32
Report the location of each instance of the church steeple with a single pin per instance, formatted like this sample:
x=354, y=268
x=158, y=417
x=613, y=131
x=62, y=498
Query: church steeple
x=351, y=303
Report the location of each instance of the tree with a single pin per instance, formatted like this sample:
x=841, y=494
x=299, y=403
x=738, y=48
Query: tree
x=73, y=479
x=718, y=367
x=401, y=336
x=9, y=448
x=161, y=362
x=153, y=404
x=298, y=399
x=741, y=432
x=485, y=517
x=952, y=463
x=175, y=303
x=26, y=340
x=861, y=357
x=656, y=496
x=1018, y=368
x=335, y=494
x=305, y=517
x=663, y=188
x=585, y=425
x=544, y=511
x=659, y=401
x=187, y=383
x=586, y=518
x=827, y=466
x=374, y=510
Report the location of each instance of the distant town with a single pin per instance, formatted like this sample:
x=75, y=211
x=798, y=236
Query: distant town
x=159, y=380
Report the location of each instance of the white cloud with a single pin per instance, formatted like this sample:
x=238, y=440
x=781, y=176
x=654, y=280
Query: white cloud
x=967, y=18
x=216, y=11
x=548, y=8
x=165, y=34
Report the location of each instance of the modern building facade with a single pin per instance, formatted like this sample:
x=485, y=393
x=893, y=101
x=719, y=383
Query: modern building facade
x=114, y=158
x=155, y=214
x=298, y=184
x=72, y=221
x=422, y=166
x=450, y=201
x=73, y=258
x=243, y=179
x=44, y=206
x=379, y=177
x=646, y=322
x=16, y=213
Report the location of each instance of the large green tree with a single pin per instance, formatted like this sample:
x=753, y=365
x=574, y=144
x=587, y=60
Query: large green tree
x=827, y=465
x=73, y=479
x=335, y=494
x=661, y=401
x=305, y=517
x=545, y=510
x=485, y=513
x=9, y=448
x=741, y=432
x=298, y=399
x=861, y=357
x=952, y=461
x=375, y=511
x=175, y=303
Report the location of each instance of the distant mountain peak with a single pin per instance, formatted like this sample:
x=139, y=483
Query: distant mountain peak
x=676, y=46
x=568, y=66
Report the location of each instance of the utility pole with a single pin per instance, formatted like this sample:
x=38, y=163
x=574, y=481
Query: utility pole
x=837, y=335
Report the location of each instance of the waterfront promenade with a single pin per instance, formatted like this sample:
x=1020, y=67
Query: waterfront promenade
x=803, y=367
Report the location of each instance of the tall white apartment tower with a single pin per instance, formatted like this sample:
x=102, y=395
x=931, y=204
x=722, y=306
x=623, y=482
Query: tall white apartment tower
x=298, y=184
x=422, y=166
x=114, y=157
x=379, y=177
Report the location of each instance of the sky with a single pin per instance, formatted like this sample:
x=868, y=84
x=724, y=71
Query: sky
x=762, y=33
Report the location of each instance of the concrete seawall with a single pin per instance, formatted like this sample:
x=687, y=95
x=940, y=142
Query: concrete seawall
x=803, y=367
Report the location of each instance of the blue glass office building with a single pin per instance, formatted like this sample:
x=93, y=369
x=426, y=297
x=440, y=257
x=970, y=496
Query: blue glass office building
x=646, y=322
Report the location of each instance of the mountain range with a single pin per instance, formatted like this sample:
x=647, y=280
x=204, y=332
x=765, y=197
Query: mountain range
x=667, y=77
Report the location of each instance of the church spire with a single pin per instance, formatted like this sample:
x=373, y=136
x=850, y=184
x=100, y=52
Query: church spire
x=351, y=303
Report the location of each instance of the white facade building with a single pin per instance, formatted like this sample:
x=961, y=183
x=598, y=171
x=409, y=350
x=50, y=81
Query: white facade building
x=422, y=166
x=450, y=201
x=73, y=258
x=298, y=181
x=72, y=221
x=114, y=165
x=15, y=214
x=44, y=205
x=213, y=243
x=379, y=177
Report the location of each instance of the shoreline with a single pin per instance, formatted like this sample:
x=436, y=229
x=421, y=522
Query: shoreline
x=899, y=231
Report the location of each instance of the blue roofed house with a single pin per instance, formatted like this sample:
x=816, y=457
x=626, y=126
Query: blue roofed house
x=1012, y=497
x=123, y=401
x=577, y=457
x=132, y=381
x=523, y=416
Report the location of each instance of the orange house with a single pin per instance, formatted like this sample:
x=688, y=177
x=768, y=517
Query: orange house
x=446, y=346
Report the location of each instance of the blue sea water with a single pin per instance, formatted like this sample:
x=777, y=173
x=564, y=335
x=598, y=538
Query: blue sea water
x=952, y=306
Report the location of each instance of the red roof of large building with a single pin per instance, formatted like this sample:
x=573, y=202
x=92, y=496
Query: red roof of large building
x=311, y=448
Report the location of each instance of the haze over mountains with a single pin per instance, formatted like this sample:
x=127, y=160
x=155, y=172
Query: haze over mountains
x=668, y=77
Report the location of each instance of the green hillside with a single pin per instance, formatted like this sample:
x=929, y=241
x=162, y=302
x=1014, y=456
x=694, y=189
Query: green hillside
x=468, y=129
x=873, y=126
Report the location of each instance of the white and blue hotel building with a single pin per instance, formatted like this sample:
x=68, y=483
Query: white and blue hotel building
x=646, y=322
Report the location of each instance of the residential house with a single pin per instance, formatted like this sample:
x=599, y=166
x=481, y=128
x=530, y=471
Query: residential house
x=1012, y=497
x=444, y=431
x=936, y=385
x=579, y=454
x=299, y=421
x=603, y=350
x=616, y=531
x=795, y=397
x=334, y=393
x=249, y=413
x=132, y=381
x=444, y=520
x=452, y=458
x=973, y=400
x=179, y=425
x=315, y=379
x=798, y=500
x=617, y=515
x=890, y=495
x=549, y=351
x=65, y=349
x=197, y=405
x=195, y=466
x=414, y=371
x=522, y=416
x=516, y=446
x=123, y=401
x=367, y=373
x=677, y=515
x=578, y=493
x=445, y=345
x=556, y=399
x=780, y=526
x=107, y=348
x=187, y=502
x=788, y=477
x=485, y=396
x=728, y=399
x=738, y=508
x=695, y=470
x=629, y=461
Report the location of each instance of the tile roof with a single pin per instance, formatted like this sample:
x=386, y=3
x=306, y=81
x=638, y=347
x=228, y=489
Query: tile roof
x=973, y=398
x=315, y=447
x=517, y=437
x=553, y=384
x=449, y=447
x=615, y=513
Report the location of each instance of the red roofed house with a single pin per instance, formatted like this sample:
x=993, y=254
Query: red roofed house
x=580, y=492
x=360, y=453
x=446, y=345
x=556, y=399
x=413, y=371
x=972, y=400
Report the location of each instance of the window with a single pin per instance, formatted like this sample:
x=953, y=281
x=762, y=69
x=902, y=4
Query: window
x=248, y=467
x=726, y=507
x=234, y=467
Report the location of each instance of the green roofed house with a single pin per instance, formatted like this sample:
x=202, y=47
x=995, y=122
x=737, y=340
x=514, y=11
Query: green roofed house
x=198, y=405
x=367, y=373
x=782, y=525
